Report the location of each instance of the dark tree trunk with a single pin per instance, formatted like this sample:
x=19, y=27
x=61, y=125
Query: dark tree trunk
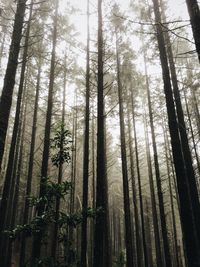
x=9, y=79
x=187, y=216
x=148, y=234
x=100, y=243
x=54, y=247
x=17, y=176
x=171, y=204
x=194, y=13
x=86, y=152
x=30, y=167
x=9, y=181
x=45, y=156
x=183, y=133
x=192, y=132
x=146, y=264
x=138, y=251
x=127, y=216
x=158, y=247
x=158, y=179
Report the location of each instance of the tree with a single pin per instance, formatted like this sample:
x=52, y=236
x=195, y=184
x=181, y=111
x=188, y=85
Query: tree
x=45, y=155
x=9, y=79
x=127, y=215
x=187, y=215
x=194, y=13
x=101, y=224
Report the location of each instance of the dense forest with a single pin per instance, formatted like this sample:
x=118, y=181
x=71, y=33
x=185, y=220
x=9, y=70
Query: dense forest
x=99, y=133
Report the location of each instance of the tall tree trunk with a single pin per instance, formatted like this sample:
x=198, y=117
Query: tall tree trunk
x=9, y=183
x=45, y=156
x=30, y=166
x=146, y=264
x=159, y=261
x=171, y=204
x=100, y=244
x=17, y=176
x=54, y=247
x=183, y=133
x=158, y=178
x=127, y=215
x=194, y=13
x=187, y=216
x=148, y=234
x=138, y=250
x=192, y=131
x=86, y=151
x=9, y=79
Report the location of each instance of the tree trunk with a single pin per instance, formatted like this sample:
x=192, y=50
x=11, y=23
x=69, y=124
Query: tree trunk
x=127, y=217
x=136, y=237
x=17, y=176
x=45, y=156
x=158, y=179
x=30, y=167
x=194, y=13
x=159, y=261
x=100, y=243
x=187, y=216
x=183, y=134
x=9, y=182
x=60, y=168
x=86, y=152
x=9, y=79
x=146, y=264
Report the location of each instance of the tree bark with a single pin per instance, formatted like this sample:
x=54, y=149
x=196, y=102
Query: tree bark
x=30, y=166
x=127, y=217
x=45, y=156
x=146, y=264
x=100, y=243
x=158, y=178
x=187, y=216
x=86, y=151
x=194, y=13
x=9, y=79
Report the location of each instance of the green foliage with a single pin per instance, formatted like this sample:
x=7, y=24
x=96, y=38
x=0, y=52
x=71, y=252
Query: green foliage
x=120, y=261
x=53, y=191
x=61, y=145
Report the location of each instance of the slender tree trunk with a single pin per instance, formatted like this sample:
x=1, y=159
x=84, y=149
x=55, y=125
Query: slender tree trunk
x=100, y=244
x=139, y=186
x=9, y=79
x=194, y=13
x=192, y=132
x=30, y=166
x=187, y=216
x=73, y=197
x=183, y=133
x=9, y=183
x=127, y=215
x=148, y=234
x=136, y=237
x=86, y=152
x=54, y=247
x=44, y=169
x=158, y=179
x=159, y=261
x=17, y=176
x=2, y=45
x=172, y=206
